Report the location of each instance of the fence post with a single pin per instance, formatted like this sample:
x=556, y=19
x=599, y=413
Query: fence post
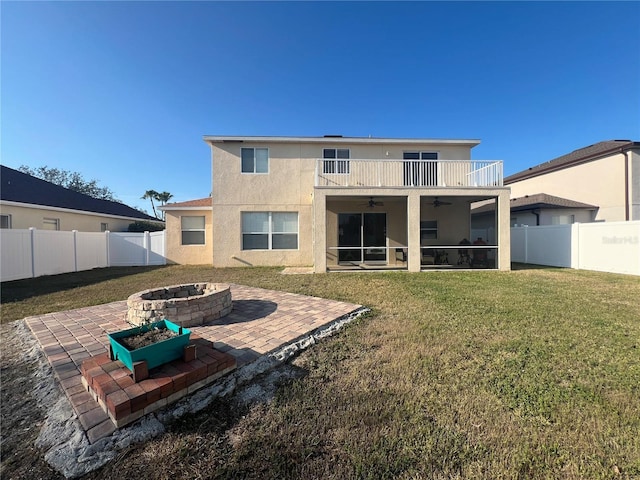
x=106, y=235
x=575, y=246
x=147, y=247
x=526, y=244
x=75, y=250
x=33, y=251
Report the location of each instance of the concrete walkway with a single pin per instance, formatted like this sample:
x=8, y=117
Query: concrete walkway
x=261, y=321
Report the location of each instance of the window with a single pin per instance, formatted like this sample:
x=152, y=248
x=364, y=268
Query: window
x=255, y=160
x=192, y=230
x=563, y=219
x=428, y=231
x=5, y=221
x=421, y=170
x=104, y=227
x=51, y=224
x=269, y=230
x=336, y=160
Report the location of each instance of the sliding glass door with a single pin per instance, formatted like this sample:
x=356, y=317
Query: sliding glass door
x=366, y=233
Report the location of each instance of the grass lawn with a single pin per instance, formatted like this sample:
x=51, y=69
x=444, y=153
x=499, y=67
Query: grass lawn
x=523, y=374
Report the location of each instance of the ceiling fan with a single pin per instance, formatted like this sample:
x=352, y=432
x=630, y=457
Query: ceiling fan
x=371, y=203
x=437, y=203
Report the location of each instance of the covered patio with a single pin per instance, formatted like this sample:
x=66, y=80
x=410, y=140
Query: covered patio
x=408, y=229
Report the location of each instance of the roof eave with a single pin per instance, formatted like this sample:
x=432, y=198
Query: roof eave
x=531, y=173
x=335, y=140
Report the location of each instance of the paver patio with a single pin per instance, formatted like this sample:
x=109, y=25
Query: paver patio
x=261, y=321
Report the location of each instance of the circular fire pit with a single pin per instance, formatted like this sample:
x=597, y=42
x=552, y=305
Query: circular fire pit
x=185, y=305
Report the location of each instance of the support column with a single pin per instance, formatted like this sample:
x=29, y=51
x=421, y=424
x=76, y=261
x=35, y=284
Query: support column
x=504, y=230
x=413, y=233
x=319, y=232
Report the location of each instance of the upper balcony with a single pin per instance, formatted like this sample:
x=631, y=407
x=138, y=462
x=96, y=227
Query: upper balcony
x=408, y=173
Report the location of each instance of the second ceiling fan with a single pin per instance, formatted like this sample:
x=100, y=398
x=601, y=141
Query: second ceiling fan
x=436, y=203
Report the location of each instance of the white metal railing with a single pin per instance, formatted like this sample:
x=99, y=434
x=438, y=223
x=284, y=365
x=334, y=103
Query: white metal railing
x=408, y=173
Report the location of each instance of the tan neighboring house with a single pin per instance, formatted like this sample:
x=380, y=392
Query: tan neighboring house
x=189, y=232
x=27, y=201
x=600, y=182
x=337, y=203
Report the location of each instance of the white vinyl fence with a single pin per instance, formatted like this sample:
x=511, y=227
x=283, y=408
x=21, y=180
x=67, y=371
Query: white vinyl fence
x=605, y=247
x=32, y=253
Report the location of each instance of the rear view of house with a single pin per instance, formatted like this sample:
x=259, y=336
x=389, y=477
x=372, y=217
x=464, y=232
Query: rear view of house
x=335, y=203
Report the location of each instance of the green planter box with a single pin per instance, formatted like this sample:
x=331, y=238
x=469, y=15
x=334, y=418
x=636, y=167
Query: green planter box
x=155, y=354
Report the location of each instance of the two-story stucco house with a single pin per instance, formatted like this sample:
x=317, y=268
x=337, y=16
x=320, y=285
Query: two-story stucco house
x=335, y=203
x=600, y=182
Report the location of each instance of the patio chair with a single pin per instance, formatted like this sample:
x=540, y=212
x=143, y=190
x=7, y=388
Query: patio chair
x=463, y=253
x=479, y=255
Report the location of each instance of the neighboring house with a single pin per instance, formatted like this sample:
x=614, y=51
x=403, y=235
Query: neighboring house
x=189, y=230
x=335, y=202
x=600, y=182
x=27, y=201
x=538, y=209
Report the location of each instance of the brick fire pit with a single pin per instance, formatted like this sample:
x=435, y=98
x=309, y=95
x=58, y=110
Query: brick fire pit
x=185, y=305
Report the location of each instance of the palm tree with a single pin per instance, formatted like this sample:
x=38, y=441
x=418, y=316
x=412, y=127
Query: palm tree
x=151, y=195
x=163, y=198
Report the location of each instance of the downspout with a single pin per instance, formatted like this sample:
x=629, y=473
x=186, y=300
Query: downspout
x=537, y=214
x=626, y=184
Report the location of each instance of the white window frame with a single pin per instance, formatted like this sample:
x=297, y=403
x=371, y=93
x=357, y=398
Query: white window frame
x=51, y=221
x=255, y=163
x=336, y=165
x=6, y=216
x=203, y=230
x=270, y=233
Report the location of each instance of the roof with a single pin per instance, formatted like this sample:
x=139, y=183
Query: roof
x=198, y=204
x=582, y=155
x=338, y=139
x=537, y=201
x=19, y=187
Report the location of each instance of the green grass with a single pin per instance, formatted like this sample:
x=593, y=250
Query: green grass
x=522, y=374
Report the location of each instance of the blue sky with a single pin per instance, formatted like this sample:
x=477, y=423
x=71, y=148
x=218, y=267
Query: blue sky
x=123, y=92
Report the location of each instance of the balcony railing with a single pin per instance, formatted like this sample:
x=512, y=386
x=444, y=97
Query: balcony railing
x=408, y=173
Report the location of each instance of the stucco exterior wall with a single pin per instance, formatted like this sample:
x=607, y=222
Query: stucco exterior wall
x=27, y=217
x=289, y=186
x=599, y=182
x=188, y=254
x=546, y=216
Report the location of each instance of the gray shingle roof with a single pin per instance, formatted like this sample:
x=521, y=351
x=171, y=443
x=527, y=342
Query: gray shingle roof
x=539, y=200
x=576, y=157
x=19, y=187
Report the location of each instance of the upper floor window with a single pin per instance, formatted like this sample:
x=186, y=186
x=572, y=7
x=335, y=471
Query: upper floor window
x=269, y=230
x=51, y=224
x=192, y=230
x=421, y=170
x=104, y=227
x=336, y=160
x=255, y=160
x=5, y=221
